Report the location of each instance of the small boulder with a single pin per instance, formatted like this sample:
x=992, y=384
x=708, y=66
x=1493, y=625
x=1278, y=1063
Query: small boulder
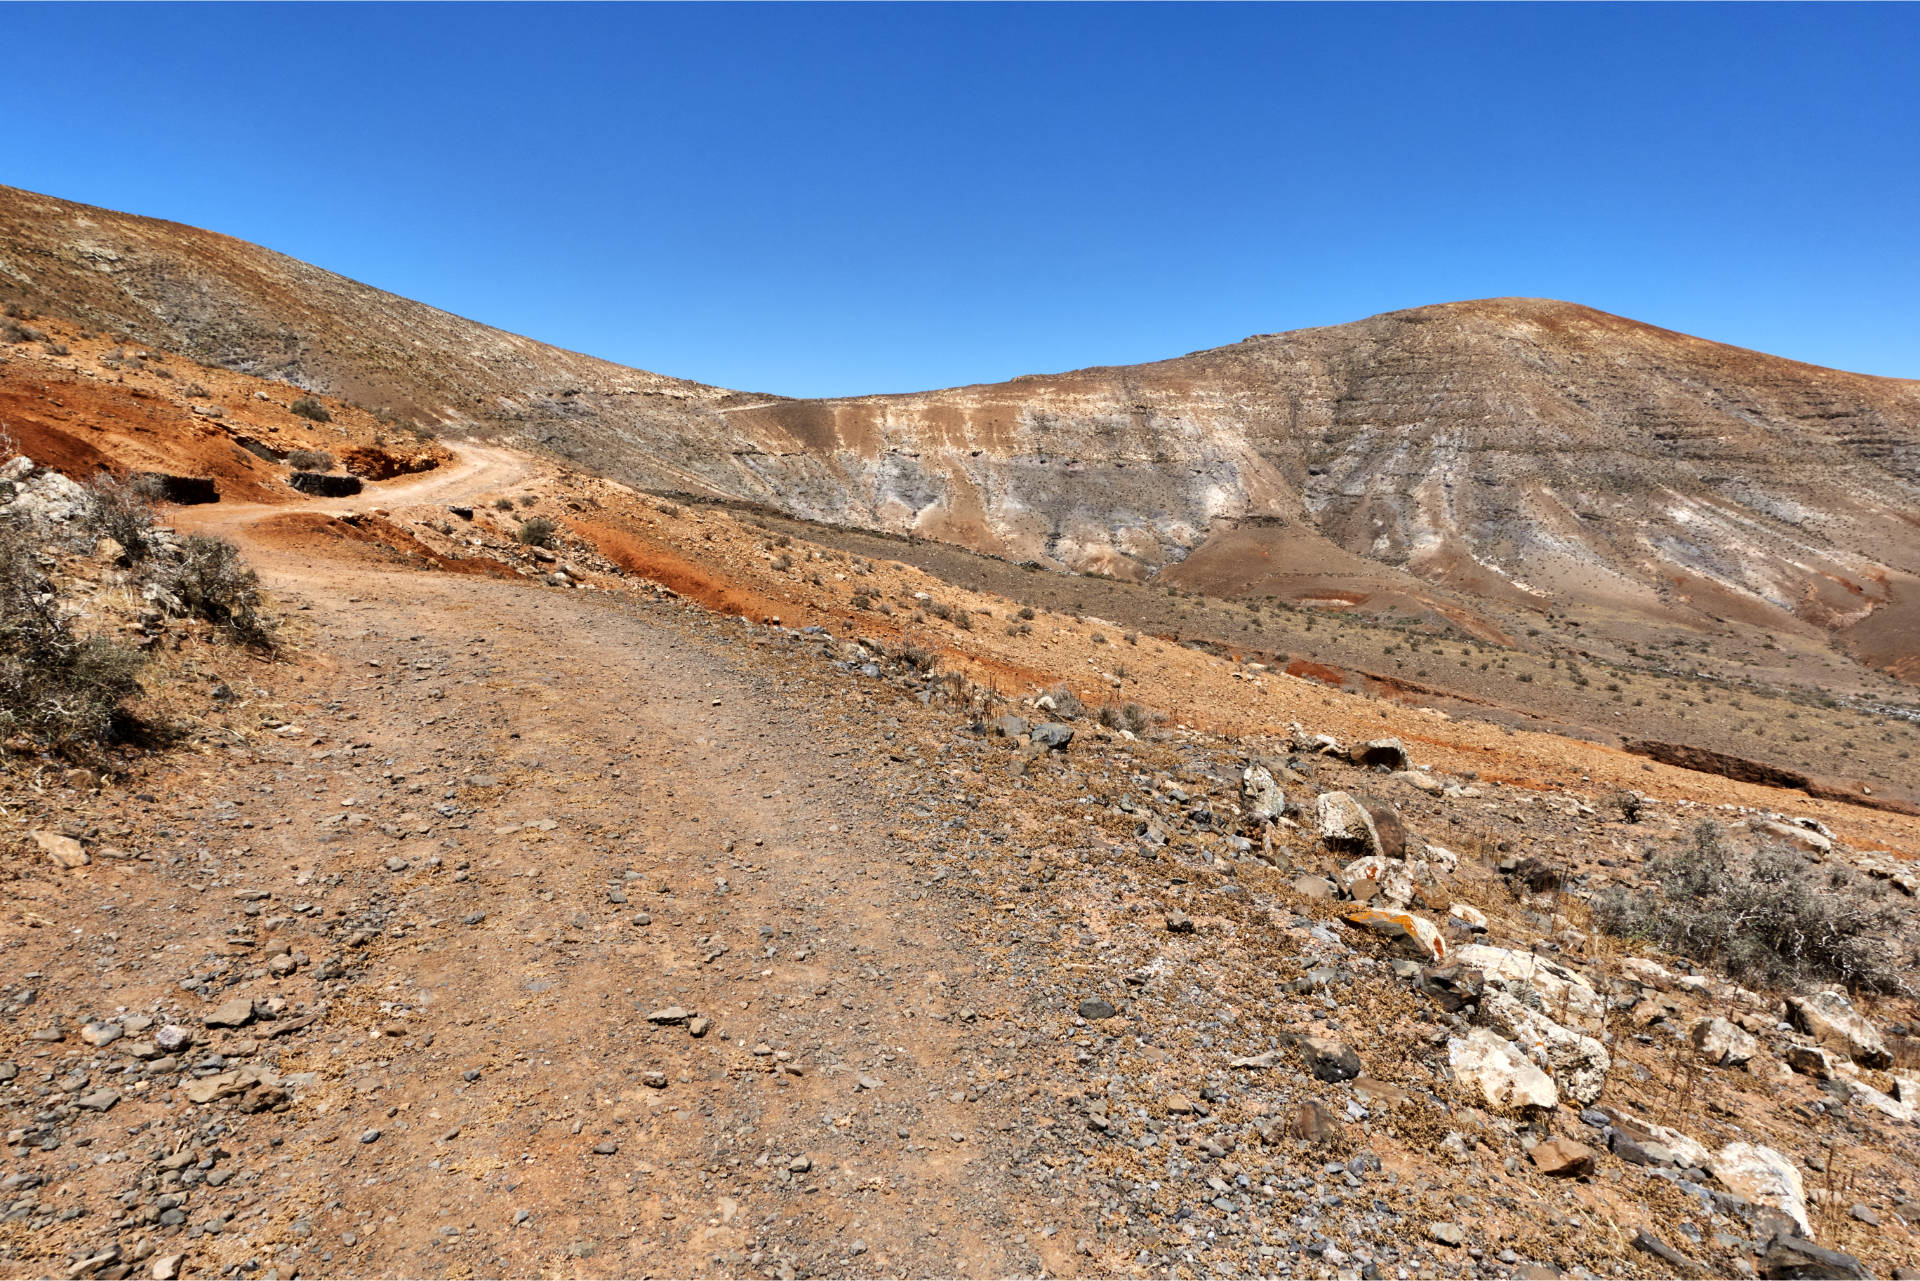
x=1580, y=1063
x=62, y=851
x=1562, y=1158
x=1096, y=1008
x=1486, y=1062
x=1832, y=1021
x=1329, y=1060
x=1765, y=1177
x=1719, y=1041
x=1343, y=823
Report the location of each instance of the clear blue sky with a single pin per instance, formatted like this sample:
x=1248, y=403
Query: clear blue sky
x=830, y=200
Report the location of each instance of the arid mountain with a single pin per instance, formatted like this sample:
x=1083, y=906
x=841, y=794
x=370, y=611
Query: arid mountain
x=1488, y=461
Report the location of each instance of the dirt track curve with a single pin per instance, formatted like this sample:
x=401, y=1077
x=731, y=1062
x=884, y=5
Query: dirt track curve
x=660, y=819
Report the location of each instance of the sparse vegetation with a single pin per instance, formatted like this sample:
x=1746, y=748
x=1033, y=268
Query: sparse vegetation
x=62, y=692
x=310, y=460
x=309, y=408
x=1066, y=704
x=214, y=583
x=1127, y=716
x=1764, y=915
x=536, y=531
x=122, y=509
x=919, y=657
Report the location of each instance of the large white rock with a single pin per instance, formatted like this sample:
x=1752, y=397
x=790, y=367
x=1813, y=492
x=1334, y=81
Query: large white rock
x=1260, y=797
x=1830, y=1019
x=1724, y=1043
x=1568, y=996
x=1764, y=1177
x=1484, y=1060
x=1344, y=821
x=1579, y=1063
x=1420, y=934
x=1394, y=877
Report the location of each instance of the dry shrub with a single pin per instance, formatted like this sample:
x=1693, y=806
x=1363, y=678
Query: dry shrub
x=213, y=582
x=1127, y=716
x=536, y=531
x=1066, y=704
x=64, y=692
x=1764, y=915
x=310, y=460
x=122, y=509
x=919, y=657
x=312, y=410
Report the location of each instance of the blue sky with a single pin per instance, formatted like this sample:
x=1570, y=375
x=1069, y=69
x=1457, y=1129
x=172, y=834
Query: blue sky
x=842, y=199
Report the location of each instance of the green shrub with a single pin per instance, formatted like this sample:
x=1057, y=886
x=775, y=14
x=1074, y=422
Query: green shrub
x=309, y=408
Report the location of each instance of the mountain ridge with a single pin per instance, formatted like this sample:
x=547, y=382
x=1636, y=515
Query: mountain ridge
x=1494, y=460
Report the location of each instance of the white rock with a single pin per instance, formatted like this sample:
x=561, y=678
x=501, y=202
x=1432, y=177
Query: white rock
x=1486, y=1061
x=1568, y=996
x=1830, y=1019
x=1765, y=1177
x=1722, y=1042
x=1443, y=860
x=1469, y=915
x=1580, y=1063
x=1344, y=821
x=64, y=851
x=1648, y=973
x=1394, y=878
x=1860, y=1092
x=1798, y=835
x=1261, y=797
x=1420, y=934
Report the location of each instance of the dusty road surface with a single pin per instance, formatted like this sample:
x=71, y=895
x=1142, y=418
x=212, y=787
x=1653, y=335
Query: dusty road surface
x=625, y=980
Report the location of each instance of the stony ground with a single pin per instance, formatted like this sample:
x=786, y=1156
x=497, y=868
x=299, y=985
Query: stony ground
x=509, y=927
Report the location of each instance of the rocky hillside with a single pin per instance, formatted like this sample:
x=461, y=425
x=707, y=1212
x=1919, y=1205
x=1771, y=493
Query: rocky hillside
x=1486, y=462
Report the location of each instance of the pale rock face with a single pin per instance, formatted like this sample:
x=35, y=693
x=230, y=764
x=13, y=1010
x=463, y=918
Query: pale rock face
x=1831, y=1020
x=1765, y=1177
x=1722, y=1042
x=1469, y=915
x=1580, y=1063
x=1648, y=973
x=1261, y=797
x=1860, y=1092
x=1420, y=935
x=1486, y=1061
x=1344, y=821
x=1568, y=996
x=1395, y=878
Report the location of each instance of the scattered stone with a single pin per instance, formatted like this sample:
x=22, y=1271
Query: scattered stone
x=1810, y=1060
x=1343, y=823
x=63, y=851
x=1562, y=1158
x=1095, y=1008
x=98, y=1034
x=1832, y=1021
x=1447, y=1233
x=1417, y=933
x=672, y=1014
x=698, y=1025
x=1569, y=996
x=98, y=1100
x=654, y=1079
x=1765, y=1177
x=172, y=1038
x=1179, y=922
x=1486, y=1061
x=1722, y=1042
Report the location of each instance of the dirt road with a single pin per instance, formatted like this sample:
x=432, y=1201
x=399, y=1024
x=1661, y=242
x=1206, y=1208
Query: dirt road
x=566, y=812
